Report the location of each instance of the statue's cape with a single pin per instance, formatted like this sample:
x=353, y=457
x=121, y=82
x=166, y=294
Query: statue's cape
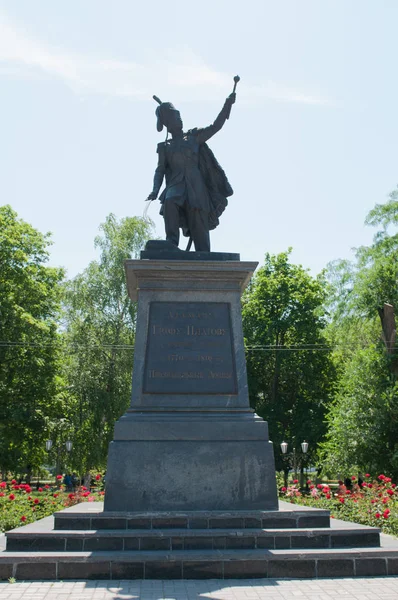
x=216, y=182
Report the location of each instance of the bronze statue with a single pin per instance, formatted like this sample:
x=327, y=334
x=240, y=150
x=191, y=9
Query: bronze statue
x=197, y=188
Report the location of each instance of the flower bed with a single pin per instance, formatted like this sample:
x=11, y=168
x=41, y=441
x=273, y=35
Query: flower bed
x=21, y=504
x=373, y=503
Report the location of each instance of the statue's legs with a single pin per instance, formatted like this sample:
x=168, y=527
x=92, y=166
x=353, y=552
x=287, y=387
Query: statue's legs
x=198, y=224
x=171, y=214
x=197, y=220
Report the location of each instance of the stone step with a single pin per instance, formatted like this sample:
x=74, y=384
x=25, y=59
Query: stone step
x=278, y=519
x=26, y=539
x=204, y=564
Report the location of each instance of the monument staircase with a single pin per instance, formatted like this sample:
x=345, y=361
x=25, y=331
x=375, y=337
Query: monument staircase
x=83, y=542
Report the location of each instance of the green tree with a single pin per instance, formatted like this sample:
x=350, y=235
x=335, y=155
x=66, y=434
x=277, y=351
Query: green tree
x=99, y=336
x=363, y=419
x=29, y=344
x=289, y=369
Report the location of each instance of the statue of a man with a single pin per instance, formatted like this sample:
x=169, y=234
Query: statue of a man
x=197, y=188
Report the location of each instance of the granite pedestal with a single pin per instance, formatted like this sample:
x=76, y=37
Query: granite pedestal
x=189, y=440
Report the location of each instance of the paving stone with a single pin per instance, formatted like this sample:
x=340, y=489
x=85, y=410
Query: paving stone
x=155, y=543
x=140, y=523
x=84, y=570
x=308, y=541
x=198, y=523
x=392, y=566
x=163, y=570
x=33, y=570
x=291, y=568
x=170, y=523
x=203, y=570
x=103, y=543
x=335, y=567
x=108, y=523
x=371, y=567
x=244, y=569
x=127, y=570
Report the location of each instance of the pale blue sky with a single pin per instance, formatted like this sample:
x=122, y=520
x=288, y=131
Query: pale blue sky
x=309, y=149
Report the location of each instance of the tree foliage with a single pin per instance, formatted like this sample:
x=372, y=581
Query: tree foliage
x=29, y=344
x=289, y=370
x=99, y=320
x=363, y=420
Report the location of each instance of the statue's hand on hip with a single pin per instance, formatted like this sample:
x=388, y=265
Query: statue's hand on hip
x=152, y=196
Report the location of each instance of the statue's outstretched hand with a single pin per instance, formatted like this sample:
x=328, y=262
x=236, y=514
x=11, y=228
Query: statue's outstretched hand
x=231, y=98
x=152, y=196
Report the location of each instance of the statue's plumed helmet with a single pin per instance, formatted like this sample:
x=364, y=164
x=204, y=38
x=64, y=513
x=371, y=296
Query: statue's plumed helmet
x=162, y=113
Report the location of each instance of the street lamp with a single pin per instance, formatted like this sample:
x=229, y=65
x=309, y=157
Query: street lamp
x=68, y=445
x=292, y=459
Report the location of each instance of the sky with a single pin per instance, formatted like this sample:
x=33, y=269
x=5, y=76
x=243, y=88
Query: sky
x=309, y=149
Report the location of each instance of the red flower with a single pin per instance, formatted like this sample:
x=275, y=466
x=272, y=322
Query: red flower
x=353, y=478
x=47, y=487
x=342, y=500
x=23, y=518
x=377, y=515
x=390, y=492
x=387, y=479
x=385, y=500
x=98, y=477
x=386, y=513
x=367, y=475
x=28, y=489
x=373, y=501
x=347, y=492
x=59, y=476
x=102, y=493
x=40, y=489
x=312, y=487
x=393, y=485
x=319, y=486
x=2, y=494
x=381, y=477
x=85, y=494
x=3, y=484
x=309, y=481
x=16, y=487
x=71, y=496
x=283, y=489
x=328, y=496
x=13, y=481
x=29, y=497
x=370, y=485
x=55, y=495
x=84, y=488
x=36, y=501
x=11, y=497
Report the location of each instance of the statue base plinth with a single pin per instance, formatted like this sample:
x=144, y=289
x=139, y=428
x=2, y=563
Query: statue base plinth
x=190, y=440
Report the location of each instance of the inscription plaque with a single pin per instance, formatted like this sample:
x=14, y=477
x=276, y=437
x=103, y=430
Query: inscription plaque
x=189, y=349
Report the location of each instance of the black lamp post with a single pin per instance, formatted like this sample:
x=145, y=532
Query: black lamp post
x=294, y=459
x=68, y=446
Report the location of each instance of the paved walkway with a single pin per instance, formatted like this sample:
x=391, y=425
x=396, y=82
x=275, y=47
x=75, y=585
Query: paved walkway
x=377, y=588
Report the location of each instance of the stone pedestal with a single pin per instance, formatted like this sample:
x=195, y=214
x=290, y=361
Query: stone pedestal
x=189, y=440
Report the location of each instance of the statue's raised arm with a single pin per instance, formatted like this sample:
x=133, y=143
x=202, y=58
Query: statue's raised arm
x=196, y=186
x=207, y=132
